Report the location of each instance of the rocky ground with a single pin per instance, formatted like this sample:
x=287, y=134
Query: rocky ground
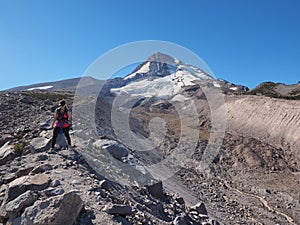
x=39, y=186
x=255, y=177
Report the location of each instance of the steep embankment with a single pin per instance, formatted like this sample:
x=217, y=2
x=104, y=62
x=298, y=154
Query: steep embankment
x=275, y=121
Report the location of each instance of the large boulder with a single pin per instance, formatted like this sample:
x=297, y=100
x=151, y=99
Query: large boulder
x=6, y=153
x=199, y=208
x=20, y=185
x=116, y=149
x=40, y=144
x=14, y=207
x=63, y=209
x=156, y=190
x=14, y=193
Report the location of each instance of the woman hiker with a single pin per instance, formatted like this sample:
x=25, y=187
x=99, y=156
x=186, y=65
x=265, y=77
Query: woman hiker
x=62, y=122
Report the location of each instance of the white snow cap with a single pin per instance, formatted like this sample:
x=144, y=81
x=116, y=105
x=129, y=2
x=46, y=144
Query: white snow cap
x=40, y=88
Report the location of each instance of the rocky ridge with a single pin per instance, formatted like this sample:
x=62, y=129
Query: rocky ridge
x=277, y=90
x=38, y=186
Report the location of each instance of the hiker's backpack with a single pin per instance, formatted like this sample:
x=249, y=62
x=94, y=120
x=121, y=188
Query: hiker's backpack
x=61, y=116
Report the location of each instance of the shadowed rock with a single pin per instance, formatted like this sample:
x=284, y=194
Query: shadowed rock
x=122, y=210
x=117, y=150
x=199, y=208
x=156, y=190
x=5, y=138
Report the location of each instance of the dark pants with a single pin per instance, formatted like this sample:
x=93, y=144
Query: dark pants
x=66, y=133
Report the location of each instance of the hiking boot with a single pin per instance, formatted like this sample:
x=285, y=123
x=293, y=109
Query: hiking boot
x=51, y=151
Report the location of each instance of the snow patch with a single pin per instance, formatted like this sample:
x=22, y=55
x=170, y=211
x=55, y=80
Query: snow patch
x=195, y=71
x=233, y=88
x=40, y=88
x=144, y=69
x=161, y=87
x=179, y=98
x=216, y=84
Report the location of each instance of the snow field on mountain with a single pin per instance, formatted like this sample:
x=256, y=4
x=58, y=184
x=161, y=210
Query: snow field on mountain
x=160, y=87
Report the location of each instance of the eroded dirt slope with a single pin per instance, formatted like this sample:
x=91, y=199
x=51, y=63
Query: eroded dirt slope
x=275, y=121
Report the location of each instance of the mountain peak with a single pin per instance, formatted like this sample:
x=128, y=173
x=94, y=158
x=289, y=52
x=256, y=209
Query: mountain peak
x=163, y=58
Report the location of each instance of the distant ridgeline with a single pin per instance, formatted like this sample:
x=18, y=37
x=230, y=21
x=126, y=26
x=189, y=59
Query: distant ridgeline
x=277, y=90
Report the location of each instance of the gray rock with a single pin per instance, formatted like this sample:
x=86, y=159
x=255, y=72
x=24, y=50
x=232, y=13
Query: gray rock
x=46, y=125
x=6, y=153
x=20, y=185
x=48, y=102
x=16, y=221
x=117, y=150
x=24, y=171
x=181, y=220
x=8, y=178
x=181, y=201
x=122, y=220
x=5, y=138
x=55, y=183
x=40, y=144
x=104, y=184
x=214, y=222
x=63, y=209
x=122, y=210
x=54, y=191
x=100, y=192
x=41, y=157
x=156, y=190
x=199, y=208
x=41, y=168
x=75, y=182
x=14, y=207
x=27, y=100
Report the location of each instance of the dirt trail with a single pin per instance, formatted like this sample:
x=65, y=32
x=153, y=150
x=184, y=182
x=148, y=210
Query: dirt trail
x=264, y=202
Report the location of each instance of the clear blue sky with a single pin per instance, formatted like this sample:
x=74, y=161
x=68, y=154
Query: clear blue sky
x=243, y=41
